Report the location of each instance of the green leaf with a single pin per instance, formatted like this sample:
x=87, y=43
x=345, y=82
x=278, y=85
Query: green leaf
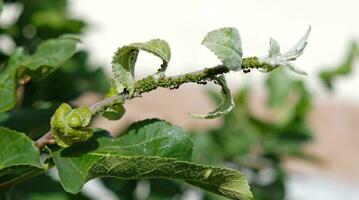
x=225, y=106
x=70, y=126
x=206, y=150
x=123, y=63
x=8, y=82
x=49, y=55
x=19, y=157
x=57, y=20
x=149, y=149
x=328, y=76
x=226, y=44
x=115, y=111
x=157, y=47
x=276, y=59
x=279, y=87
x=47, y=58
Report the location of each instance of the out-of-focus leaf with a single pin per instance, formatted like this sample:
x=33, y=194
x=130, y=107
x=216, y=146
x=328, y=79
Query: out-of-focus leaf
x=272, y=191
x=8, y=81
x=206, y=150
x=150, y=149
x=1, y=6
x=225, y=106
x=34, y=121
x=20, y=159
x=124, y=189
x=124, y=60
x=47, y=58
x=74, y=78
x=33, y=189
x=279, y=87
x=56, y=20
x=164, y=190
x=345, y=68
x=226, y=44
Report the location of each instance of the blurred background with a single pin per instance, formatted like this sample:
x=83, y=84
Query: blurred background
x=294, y=136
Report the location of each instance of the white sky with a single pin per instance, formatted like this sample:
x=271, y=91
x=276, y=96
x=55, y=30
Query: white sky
x=184, y=23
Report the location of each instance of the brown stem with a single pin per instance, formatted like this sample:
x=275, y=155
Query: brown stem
x=44, y=140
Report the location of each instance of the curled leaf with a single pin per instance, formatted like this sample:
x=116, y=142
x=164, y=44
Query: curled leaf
x=226, y=44
x=276, y=59
x=123, y=63
x=70, y=126
x=227, y=103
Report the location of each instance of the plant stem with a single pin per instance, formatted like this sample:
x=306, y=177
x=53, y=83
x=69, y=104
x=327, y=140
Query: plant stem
x=151, y=83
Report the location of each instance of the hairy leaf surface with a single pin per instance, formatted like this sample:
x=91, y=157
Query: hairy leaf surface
x=276, y=59
x=225, y=106
x=19, y=156
x=226, y=44
x=123, y=63
x=149, y=149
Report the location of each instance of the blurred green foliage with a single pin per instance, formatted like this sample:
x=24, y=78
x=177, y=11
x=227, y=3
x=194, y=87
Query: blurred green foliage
x=257, y=145
x=343, y=69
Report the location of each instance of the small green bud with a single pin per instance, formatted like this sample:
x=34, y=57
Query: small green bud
x=115, y=111
x=70, y=126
